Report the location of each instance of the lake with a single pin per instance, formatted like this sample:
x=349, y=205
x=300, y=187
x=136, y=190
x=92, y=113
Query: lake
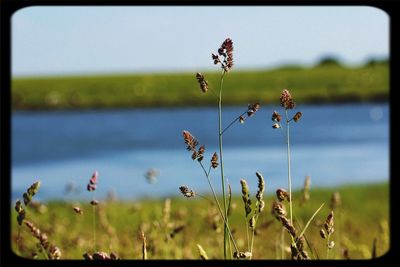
x=333, y=144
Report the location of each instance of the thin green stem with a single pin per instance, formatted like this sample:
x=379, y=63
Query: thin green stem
x=94, y=227
x=289, y=167
x=44, y=252
x=252, y=236
x=309, y=221
x=204, y=197
x=247, y=234
x=235, y=120
x=221, y=159
x=327, y=246
x=219, y=207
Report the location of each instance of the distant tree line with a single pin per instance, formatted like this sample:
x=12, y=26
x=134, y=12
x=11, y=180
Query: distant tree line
x=334, y=61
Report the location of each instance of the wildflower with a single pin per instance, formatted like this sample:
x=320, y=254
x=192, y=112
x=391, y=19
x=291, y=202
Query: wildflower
x=287, y=100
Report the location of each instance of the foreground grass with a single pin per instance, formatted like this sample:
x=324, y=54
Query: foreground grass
x=172, y=233
x=308, y=85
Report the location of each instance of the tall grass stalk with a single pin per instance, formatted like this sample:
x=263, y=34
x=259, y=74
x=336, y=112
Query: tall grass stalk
x=94, y=227
x=223, y=215
x=289, y=166
x=222, y=162
x=91, y=187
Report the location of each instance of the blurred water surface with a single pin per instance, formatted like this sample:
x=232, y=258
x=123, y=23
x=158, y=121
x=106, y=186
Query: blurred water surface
x=334, y=144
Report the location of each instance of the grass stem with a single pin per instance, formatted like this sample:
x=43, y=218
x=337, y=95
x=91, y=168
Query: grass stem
x=222, y=162
x=289, y=167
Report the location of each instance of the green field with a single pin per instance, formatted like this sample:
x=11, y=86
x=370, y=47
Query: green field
x=331, y=83
x=362, y=217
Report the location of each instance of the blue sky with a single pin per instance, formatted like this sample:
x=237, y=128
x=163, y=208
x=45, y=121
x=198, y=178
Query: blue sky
x=88, y=40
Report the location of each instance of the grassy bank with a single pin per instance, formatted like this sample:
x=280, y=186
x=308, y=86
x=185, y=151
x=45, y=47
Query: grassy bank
x=173, y=229
x=308, y=85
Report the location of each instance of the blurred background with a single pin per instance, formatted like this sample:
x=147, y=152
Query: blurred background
x=112, y=88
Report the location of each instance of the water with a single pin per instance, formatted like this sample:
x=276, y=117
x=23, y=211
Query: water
x=334, y=144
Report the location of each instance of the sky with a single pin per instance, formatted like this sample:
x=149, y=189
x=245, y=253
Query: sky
x=81, y=40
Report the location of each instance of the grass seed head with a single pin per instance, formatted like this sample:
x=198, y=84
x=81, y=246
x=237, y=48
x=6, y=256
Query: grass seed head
x=261, y=186
x=329, y=223
x=306, y=188
x=54, y=253
x=225, y=51
x=214, y=160
x=287, y=100
x=278, y=209
x=252, y=109
x=289, y=227
x=336, y=200
x=94, y=202
x=186, y=192
x=190, y=141
x=276, y=117
x=242, y=255
x=78, y=210
x=200, y=153
x=100, y=255
x=252, y=222
x=276, y=126
x=202, y=81
x=282, y=195
x=297, y=116
x=246, y=196
x=322, y=234
x=91, y=186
